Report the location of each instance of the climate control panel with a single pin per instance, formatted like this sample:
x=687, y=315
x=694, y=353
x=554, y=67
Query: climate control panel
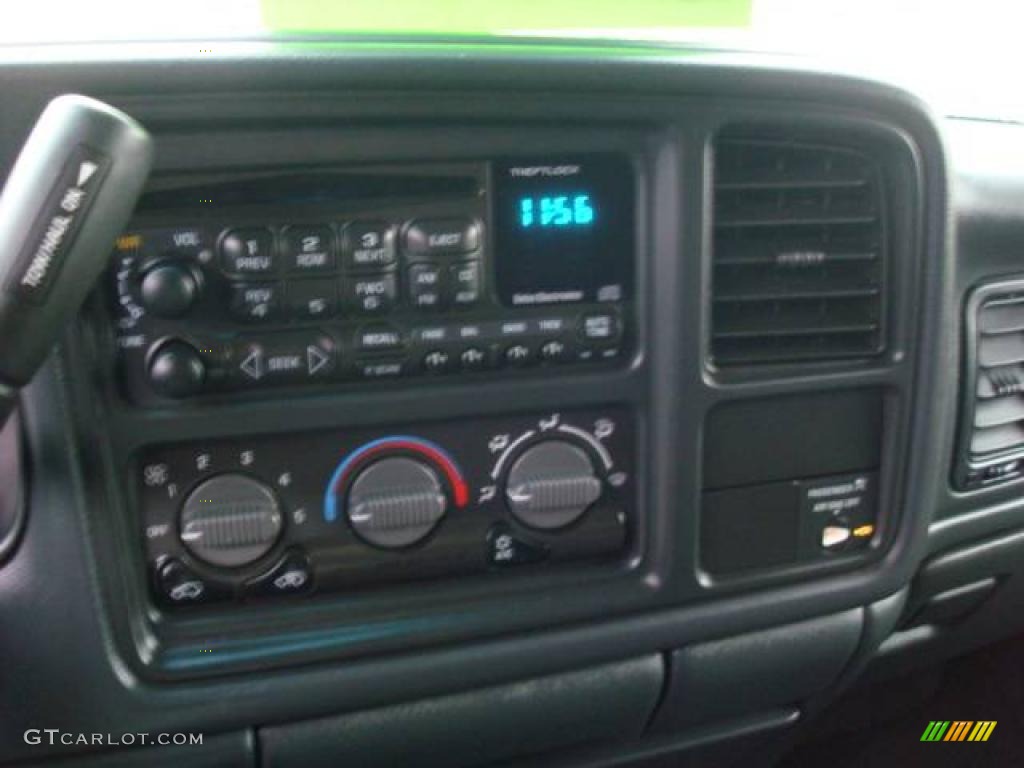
x=337, y=511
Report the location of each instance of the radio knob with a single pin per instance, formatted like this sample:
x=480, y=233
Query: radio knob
x=551, y=485
x=230, y=520
x=169, y=289
x=176, y=369
x=396, y=502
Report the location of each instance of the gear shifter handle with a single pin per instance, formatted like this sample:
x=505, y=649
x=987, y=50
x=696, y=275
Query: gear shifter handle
x=68, y=197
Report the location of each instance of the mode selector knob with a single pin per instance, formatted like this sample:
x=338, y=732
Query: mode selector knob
x=551, y=485
x=230, y=520
x=396, y=502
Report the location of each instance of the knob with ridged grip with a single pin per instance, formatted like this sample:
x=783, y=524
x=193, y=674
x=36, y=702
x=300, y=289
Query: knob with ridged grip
x=230, y=520
x=551, y=485
x=396, y=502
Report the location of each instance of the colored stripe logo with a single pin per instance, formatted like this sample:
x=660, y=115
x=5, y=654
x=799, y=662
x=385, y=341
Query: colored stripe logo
x=958, y=730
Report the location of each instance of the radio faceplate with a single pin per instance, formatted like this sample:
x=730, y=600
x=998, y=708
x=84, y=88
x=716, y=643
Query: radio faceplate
x=338, y=511
x=375, y=273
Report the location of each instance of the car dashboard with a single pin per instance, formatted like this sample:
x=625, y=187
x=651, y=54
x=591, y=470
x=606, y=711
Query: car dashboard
x=473, y=403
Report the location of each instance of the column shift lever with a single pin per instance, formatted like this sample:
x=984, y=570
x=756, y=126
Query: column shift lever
x=69, y=196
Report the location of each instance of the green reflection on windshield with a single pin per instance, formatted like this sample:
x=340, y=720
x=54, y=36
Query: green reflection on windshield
x=495, y=17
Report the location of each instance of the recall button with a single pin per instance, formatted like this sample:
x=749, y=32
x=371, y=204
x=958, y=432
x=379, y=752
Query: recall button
x=379, y=338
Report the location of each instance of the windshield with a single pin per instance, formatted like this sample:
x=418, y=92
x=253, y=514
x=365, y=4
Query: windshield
x=959, y=53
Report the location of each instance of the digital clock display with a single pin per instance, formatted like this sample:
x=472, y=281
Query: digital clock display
x=564, y=230
x=556, y=211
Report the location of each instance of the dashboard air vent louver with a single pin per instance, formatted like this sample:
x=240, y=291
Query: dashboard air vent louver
x=799, y=253
x=993, y=430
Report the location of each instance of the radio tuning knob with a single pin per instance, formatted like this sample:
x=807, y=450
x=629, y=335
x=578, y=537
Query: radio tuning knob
x=169, y=289
x=396, y=502
x=176, y=369
x=551, y=485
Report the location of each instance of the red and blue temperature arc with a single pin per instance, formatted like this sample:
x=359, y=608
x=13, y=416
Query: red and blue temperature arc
x=436, y=455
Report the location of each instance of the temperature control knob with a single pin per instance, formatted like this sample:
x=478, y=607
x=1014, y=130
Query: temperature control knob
x=230, y=520
x=169, y=289
x=551, y=485
x=396, y=502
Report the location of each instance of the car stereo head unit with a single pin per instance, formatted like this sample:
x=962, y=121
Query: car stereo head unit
x=323, y=277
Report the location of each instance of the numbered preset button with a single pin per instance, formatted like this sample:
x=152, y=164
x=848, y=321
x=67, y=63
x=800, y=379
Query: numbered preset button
x=368, y=246
x=370, y=294
x=309, y=250
x=245, y=252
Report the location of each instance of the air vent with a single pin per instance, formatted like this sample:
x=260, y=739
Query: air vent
x=799, y=253
x=993, y=430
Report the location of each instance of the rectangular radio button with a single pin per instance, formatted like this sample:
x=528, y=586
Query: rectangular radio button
x=286, y=359
x=309, y=250
x=370, y=294
x=312, y=299
x=426, y=286
x=438, y=237
x=248, y=252
x=465, y=283
x=379, y=338
x=255, y=302
x=368, y=245
x=600, y=327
